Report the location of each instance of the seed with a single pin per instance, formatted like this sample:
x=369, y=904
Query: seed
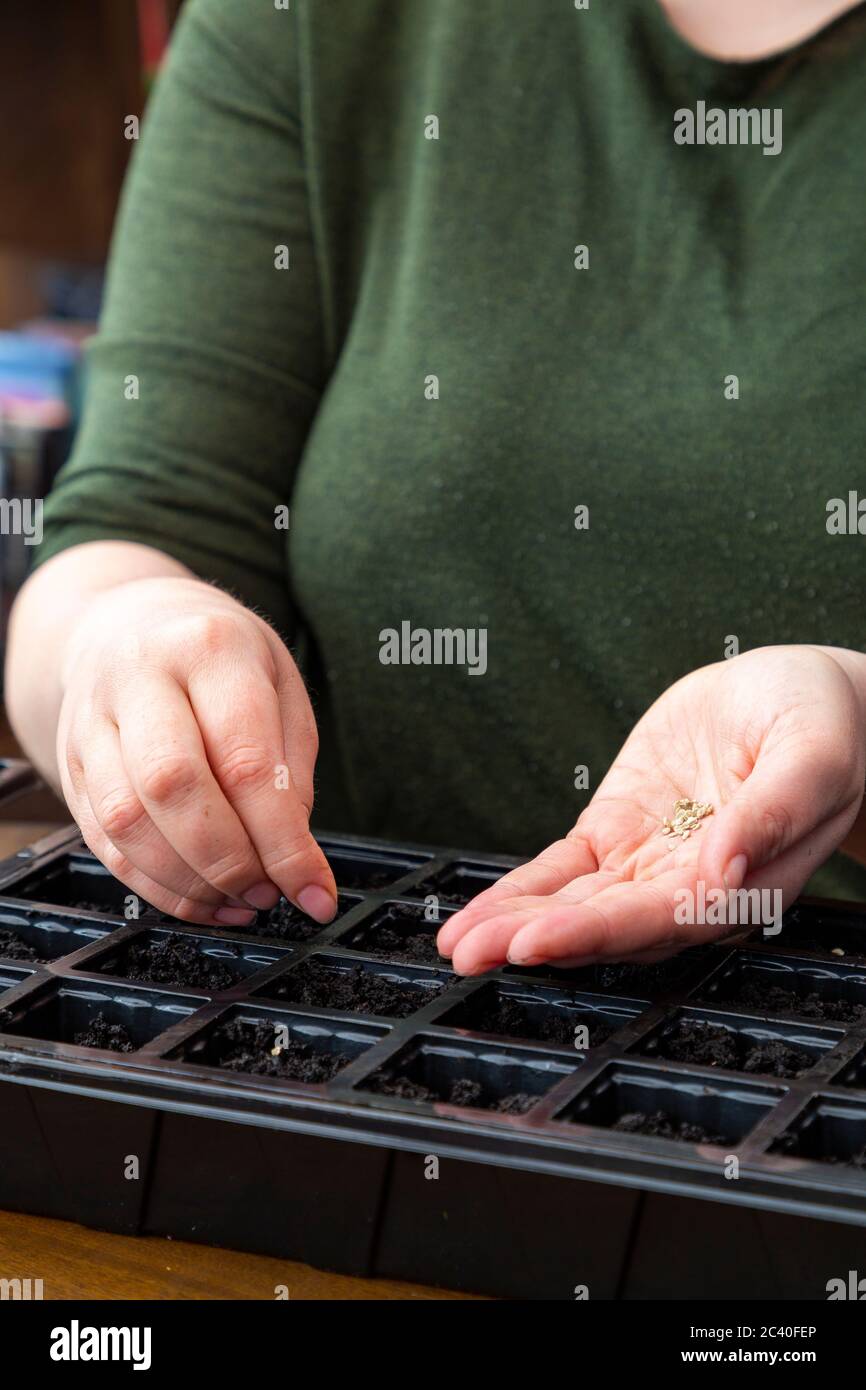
x=686, y=818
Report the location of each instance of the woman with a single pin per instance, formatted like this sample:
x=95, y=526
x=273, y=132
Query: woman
x=436, y=314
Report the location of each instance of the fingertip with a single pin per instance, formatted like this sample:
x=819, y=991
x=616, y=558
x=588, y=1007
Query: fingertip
x=524, y=950
x=234, y=917
x=467, y=960
x=476, y=968
x=317, y=903
x=447, y=936
x=735, y=874
x=263, y=896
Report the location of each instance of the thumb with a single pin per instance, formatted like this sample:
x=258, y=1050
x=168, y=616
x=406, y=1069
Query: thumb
x=787, y=797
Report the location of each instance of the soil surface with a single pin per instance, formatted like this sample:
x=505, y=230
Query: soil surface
x=662, y=1126
x=112, y=1037
x=147, y=910
x=833, y=946
x=774, y=999
x=387, y=941
x=506, y=1017
x=456, y=899
x=287, y=923
x=644, y=979
x=788, y=1144
x=454, y=896
x=251, y=1047
x=367, y=876
x=174, y=960
x=89, y=905
x=824, y=936
x=637, y=981
x=354, y=991
x=462, y=1092
x=709, y=1046
x=13, y=948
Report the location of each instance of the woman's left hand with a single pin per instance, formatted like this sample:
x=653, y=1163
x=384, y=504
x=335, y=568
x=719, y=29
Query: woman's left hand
x=774, y=740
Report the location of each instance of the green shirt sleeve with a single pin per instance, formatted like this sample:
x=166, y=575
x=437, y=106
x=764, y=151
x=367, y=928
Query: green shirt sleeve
x=206, y=372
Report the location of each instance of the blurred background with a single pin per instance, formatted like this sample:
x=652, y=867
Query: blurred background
x=70, y=76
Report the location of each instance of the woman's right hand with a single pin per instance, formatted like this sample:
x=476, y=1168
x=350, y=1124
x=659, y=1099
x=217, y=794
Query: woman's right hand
x=185, y=746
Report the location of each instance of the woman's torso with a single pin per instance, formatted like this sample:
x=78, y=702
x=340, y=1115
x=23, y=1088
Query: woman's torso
x=606, y=387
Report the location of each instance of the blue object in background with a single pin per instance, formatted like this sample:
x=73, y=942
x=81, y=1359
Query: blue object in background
x=40, y=378
x=36, y=367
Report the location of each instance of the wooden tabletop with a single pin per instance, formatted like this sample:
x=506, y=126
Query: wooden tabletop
x=77, y=1263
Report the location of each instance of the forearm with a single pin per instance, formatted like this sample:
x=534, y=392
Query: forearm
x=42, y=619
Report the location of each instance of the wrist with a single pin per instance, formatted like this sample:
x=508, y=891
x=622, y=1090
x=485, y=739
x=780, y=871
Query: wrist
x=854, y=665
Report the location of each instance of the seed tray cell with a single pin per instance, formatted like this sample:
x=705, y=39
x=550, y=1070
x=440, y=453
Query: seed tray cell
x=349, y=986
x=11, y=975
x=370, y=870
x=850, y=1070
x=277, y=1044
x=82, y=884
x=457, y=884
x=647, y=982
x=829, y=1131
x=554, y=1017
x=788, y=986
x=36, y=936
x=330, y=1069
x=82, y=1016
x=398, y=932
x=731, y=1042
x=824, y=928
x=430, y=1070
x=288, y=923
x=181, y=958
x=658, y=1105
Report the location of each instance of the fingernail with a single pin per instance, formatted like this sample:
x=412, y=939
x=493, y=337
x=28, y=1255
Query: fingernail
x=526, y=960
x=263, y=895
x=317, y=903
x=735, y=873
x=234, y=916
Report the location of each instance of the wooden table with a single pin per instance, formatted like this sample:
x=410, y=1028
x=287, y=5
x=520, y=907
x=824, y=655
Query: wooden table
x=77, y=1263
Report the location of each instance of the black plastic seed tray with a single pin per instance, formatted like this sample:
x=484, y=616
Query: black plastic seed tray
x=337, y=1095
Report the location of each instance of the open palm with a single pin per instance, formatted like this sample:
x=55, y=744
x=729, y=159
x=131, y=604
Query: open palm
x=773, y=740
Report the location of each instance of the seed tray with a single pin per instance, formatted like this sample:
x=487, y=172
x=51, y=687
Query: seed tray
x=338, y=1095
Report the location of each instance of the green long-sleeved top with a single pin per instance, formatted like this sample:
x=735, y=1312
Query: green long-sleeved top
x=438, y=379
